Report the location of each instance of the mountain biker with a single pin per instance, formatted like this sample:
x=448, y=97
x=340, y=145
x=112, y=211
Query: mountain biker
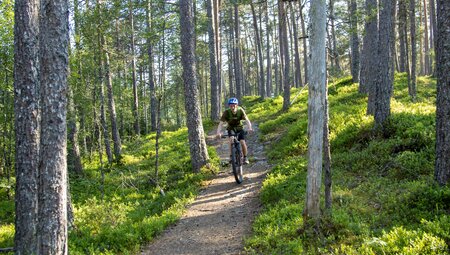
x=233, y=117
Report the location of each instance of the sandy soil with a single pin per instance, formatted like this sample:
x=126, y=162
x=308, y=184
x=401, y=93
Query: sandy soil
x=220, y=218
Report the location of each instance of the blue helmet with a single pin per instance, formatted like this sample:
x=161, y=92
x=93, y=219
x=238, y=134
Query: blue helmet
x=232, y=100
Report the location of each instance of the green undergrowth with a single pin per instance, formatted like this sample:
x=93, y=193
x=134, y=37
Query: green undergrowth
x=125, y=209
x=385, y=200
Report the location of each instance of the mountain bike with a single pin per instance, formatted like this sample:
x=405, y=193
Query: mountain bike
x=237, y=157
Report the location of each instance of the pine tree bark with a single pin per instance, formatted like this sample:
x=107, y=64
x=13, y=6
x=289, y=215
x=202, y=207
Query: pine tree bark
x=237, y=55
x=215, y=104
x=297, y=66
x=335, y=53
x=369, y=64
x=269, y=58
x=355, y=68
x=136, y=125
x=316, y=109
x=402, y=34
x=286, y=59
x=261, y=81
x=151, y=79
x=305, y=48
x=197, y=144
x=54, y=59
x=74, y=157
x=412, y=20
x=426, y=40
x=112, y=106
x=384, y=82
x=327, y=156
x=442, y=168
x=433, y=32
x=26, y=123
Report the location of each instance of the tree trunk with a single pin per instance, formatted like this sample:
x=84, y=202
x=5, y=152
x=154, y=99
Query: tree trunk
x=425, y=40
x=442, y=168
x=286, y=60
x=412, y=18
x=237, y=54
x=269, y=64
x=354, y=41
x=316, y=109
x=261, y=81
x=104, y=126
x=305, y=48
x=298, y=72
x=112, y=106
x=137, y=129
x=197, y=144
x=335, y=53
x=433, y=31
x=384, y=82
x=369, y=64
x=26, y=124
x=218, y=41
x=54, y=59
x=74, y=158
x=213, y=62
x=327, y=156
x=402, y=34
x=151, y=79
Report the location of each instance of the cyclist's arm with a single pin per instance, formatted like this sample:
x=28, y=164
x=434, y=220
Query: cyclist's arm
x=219, y=128
x=249, y=124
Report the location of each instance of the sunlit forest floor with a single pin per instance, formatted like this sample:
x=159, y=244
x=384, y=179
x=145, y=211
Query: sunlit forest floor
x=385, y=200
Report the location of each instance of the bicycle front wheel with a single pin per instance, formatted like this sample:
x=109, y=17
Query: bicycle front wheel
x=237, y=165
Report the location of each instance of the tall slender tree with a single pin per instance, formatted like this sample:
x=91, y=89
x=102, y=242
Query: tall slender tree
x=285, y=53
x=136, y=125
x=111, y=104
x=54, y=59
x=442, y=168
x=383, y=85
x=297, y=66
x=215, y=93
x=369, y=54
x=151, y=75
x=412, y=20
x=268, y=55
x=261, y=82
x=197, y=144
x=354, y=41
x=316, y=108
x=27, y=123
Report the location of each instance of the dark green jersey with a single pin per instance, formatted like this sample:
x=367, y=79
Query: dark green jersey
x=234, y=120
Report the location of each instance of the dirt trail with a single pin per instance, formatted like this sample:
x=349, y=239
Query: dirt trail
x=221, y=216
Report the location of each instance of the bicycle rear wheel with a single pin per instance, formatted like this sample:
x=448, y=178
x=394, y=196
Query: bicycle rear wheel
x=237, y=164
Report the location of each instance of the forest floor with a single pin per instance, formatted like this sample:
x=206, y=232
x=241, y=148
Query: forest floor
x=221, y=216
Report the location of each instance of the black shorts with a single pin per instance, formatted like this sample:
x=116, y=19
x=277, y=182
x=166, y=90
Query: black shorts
x=240, y=134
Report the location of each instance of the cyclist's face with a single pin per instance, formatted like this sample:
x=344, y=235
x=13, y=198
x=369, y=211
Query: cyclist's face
x=233, y=107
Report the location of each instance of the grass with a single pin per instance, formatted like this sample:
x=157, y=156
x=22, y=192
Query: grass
x=126, y=210
x=385, y=200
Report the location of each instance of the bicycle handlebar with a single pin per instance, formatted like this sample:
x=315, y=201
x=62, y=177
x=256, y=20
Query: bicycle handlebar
x=235, y=134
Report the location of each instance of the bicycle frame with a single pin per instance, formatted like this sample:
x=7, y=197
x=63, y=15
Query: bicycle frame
x=237, y=157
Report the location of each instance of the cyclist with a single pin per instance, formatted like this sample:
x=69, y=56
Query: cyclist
x=233, y=117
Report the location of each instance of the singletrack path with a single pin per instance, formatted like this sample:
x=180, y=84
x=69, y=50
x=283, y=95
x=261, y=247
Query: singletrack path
x=221, y=216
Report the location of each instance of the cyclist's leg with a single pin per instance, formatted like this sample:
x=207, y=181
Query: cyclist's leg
x=243, y=146
x=241, y=138
x=230, y=143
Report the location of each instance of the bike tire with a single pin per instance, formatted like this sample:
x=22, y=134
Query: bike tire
x=237, y=165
